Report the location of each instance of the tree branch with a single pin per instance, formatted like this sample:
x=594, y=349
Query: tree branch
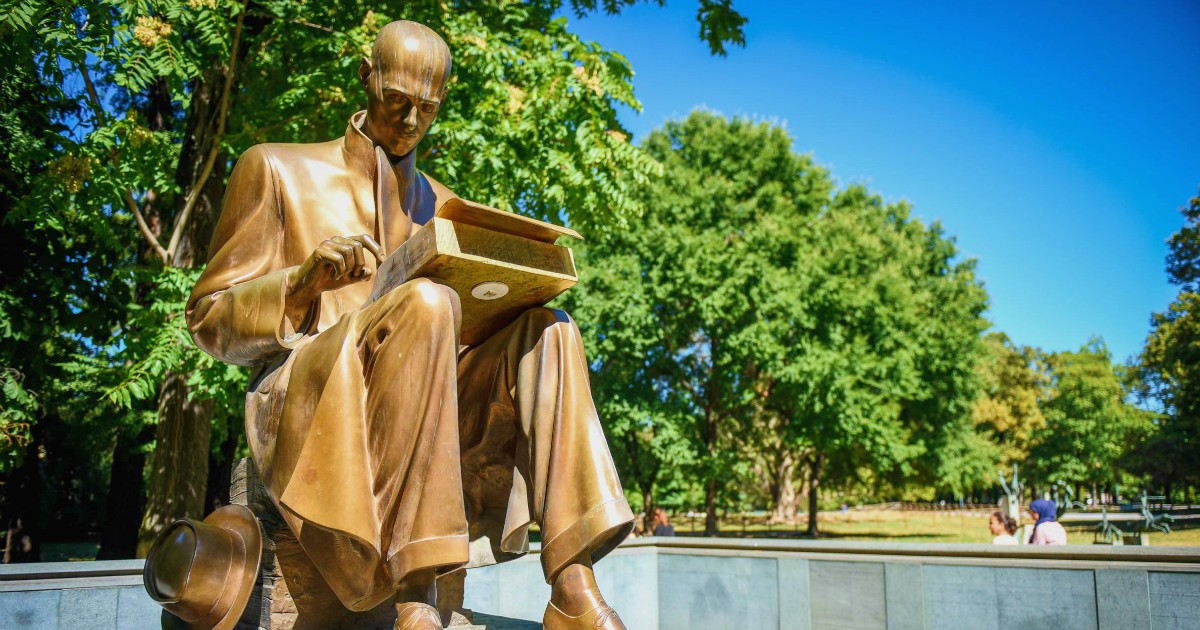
x=93, y=96
x=222, y=111
x=130, y=202
x=144, y=228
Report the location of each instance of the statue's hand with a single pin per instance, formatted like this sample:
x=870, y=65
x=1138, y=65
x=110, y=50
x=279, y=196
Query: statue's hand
x=337, y=262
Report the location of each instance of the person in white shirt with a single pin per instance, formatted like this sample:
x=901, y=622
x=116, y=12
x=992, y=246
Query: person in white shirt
x=1003, y=527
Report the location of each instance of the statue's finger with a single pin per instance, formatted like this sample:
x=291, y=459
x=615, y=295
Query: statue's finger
x=334, y=260
x=360, y=262
x=347, y=253
x=371, y=245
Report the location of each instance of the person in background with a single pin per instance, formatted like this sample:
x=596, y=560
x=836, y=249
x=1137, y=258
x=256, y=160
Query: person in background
x=18, y=545
x=1003, y=527
x=1046, y=531
x=662, y=527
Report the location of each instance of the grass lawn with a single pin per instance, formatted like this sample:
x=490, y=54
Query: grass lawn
x=896, y=526
x=879, y=525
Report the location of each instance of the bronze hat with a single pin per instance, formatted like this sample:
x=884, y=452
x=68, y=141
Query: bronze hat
x=202, y=572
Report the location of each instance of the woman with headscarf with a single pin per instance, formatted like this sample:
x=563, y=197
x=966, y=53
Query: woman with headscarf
x=1046, y=531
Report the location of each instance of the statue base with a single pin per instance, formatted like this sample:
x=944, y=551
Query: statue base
x=292, y=595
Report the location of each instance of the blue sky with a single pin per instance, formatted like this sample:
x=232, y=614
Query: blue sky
x=1055, y=140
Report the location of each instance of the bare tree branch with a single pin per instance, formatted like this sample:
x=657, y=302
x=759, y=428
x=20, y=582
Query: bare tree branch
x=194, y=195
x=144, y=228
x=130, y=202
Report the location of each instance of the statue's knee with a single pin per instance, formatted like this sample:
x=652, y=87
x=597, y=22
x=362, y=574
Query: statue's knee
x=437, y=301
x=421, y=298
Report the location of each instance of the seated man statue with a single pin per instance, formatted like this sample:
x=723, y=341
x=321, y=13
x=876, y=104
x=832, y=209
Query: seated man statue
x=393, y=454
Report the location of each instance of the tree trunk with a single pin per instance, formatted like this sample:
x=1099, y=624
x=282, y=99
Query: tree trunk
x=179, y=475
x=710, y=508
x=710, y=490
x=814, y=483
x=783, y=490
x=126, y=498
x=179, y=471
x=647, y=510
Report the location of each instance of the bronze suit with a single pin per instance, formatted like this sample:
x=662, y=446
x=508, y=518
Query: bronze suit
x=387, y=447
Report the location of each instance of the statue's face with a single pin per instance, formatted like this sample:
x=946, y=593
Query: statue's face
x=405, y=85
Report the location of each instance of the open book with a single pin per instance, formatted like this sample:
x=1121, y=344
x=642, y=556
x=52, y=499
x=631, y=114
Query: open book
x=500, y=263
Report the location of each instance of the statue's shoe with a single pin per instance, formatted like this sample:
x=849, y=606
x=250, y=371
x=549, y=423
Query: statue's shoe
x=602, y=617
x=417, y=616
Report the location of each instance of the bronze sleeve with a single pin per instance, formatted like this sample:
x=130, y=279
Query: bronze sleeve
x=236, y=310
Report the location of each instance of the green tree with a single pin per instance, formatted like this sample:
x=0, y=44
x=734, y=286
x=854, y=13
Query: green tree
x=787, y=330
x=56, y=297
x=1089, y=422
x=1169, y=367
x=1014, y=385
x=156, y=100
x=669, y=304
x=881, y=338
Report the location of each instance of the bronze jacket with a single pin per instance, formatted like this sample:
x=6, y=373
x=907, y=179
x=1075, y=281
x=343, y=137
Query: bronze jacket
x=282, y=201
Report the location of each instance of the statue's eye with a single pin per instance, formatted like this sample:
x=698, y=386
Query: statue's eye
x=428, y=108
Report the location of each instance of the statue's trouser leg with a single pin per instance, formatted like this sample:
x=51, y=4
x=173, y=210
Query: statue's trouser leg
x=534, y=373
x=368, y=435
x=408, y=342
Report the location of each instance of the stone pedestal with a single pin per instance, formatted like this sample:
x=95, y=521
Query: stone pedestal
x=292, y=595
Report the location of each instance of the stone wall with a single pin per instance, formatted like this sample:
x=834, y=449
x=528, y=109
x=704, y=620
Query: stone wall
x=718, y=584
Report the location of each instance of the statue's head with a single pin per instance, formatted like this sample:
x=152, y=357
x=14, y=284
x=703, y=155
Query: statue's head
x=405, y=80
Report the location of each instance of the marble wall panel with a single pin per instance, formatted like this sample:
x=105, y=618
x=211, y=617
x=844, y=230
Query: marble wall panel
x=1122, y=599
x=91, y=608
x=1047, y=598
x=136, y=611
x=629, y=582
x=29, y=609
x=847, y=595
x=959, y=598
x=905, y=603
x=795, y=610
x=1174, y=601
x=717, y=593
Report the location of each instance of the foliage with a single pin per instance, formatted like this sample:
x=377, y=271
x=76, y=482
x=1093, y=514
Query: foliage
x=529, y=123
x=752, y=301
x=1169, y=367
x=157, y=342
x=17, y=416
x=1014, y=387
x=1089, y=422
x=60, y=288
x=664, y=303
x=122, y=118
x=1183, y=260
x=886, y=337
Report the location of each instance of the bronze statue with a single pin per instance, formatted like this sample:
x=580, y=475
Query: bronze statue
x=393, y=453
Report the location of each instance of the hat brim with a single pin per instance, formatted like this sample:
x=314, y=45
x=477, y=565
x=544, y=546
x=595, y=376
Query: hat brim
x=240, y=522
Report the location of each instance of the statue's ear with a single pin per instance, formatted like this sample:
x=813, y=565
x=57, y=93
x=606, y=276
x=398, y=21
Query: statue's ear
x=364, y=72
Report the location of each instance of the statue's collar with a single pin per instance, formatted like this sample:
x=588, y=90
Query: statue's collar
x=362, y=151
